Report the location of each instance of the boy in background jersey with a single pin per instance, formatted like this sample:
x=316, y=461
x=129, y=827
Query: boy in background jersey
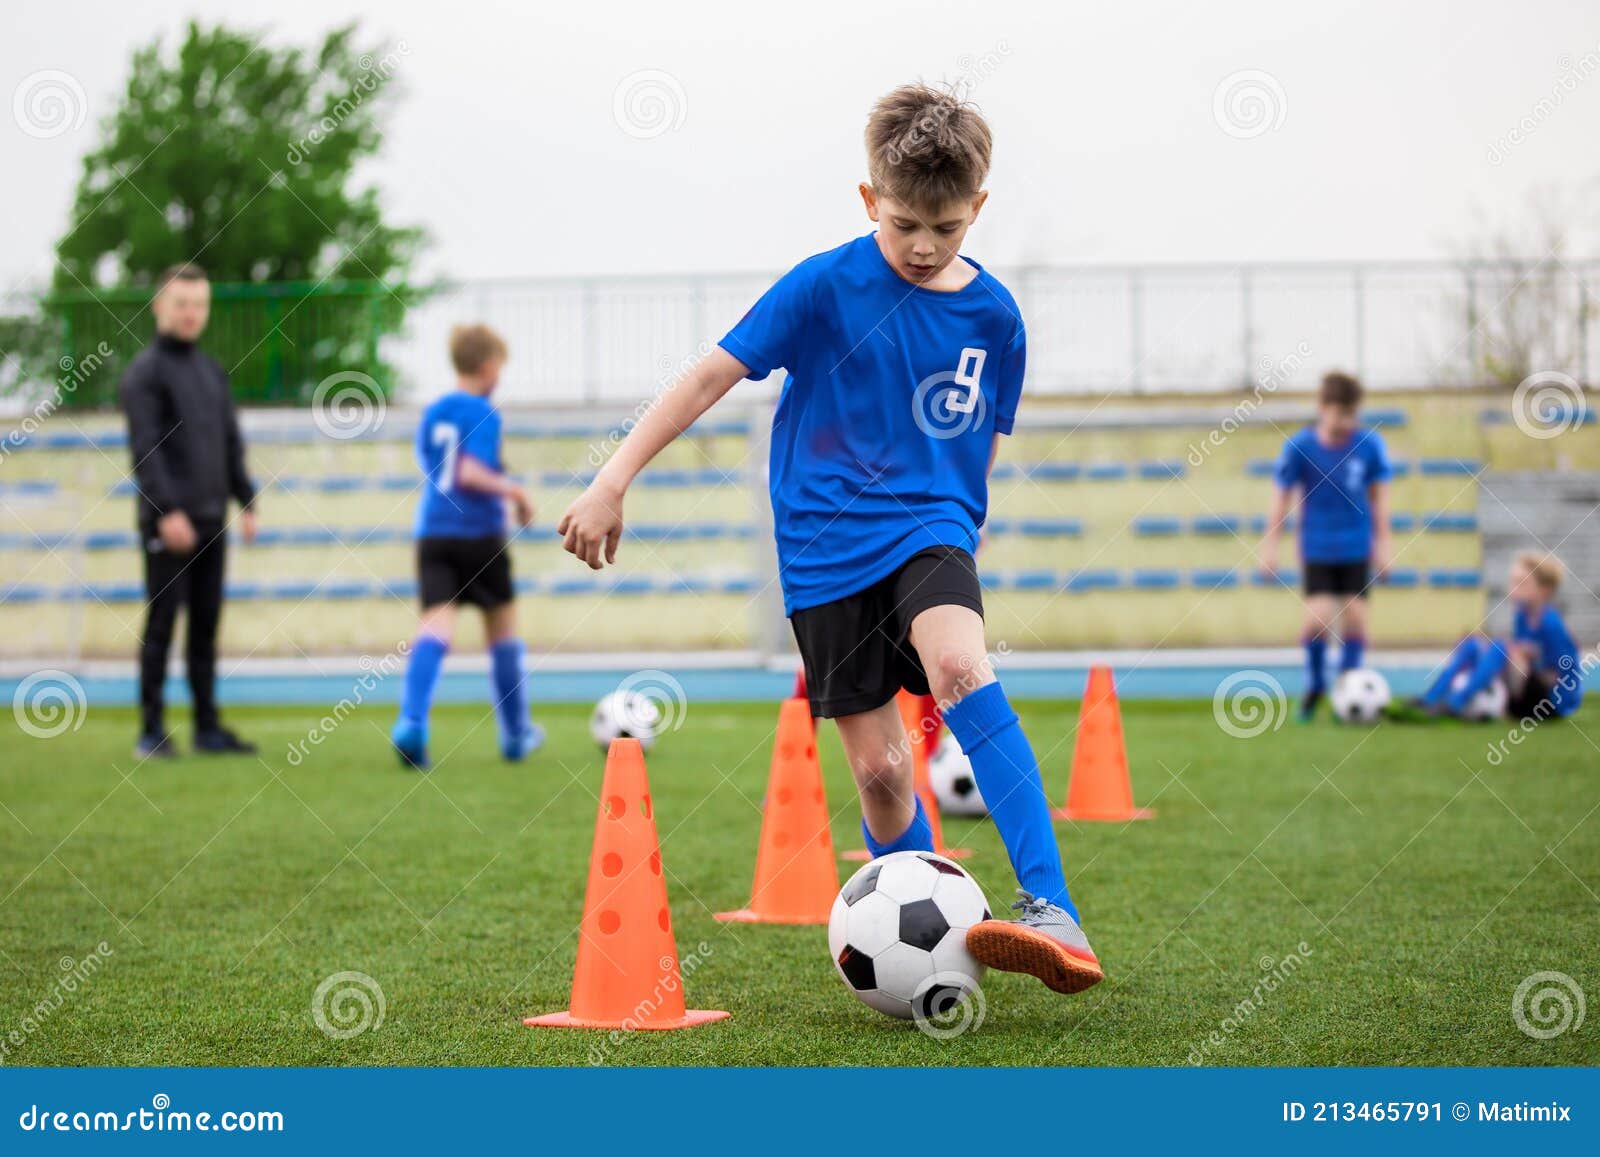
x=461, y=549
x=1342, y=472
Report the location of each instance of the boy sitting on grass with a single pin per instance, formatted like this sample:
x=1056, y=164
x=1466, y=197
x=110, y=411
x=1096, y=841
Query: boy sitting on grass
x=1538, y=663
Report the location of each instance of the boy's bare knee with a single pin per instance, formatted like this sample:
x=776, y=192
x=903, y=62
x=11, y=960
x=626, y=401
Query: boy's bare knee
x=956, y=673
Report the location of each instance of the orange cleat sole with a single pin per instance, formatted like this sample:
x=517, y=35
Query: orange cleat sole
x=1009, y=947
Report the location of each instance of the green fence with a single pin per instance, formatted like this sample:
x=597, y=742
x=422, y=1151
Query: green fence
x=277, y=341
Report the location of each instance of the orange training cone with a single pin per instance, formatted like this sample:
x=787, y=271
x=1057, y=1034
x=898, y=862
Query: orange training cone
x=796, y=877
x=911, y=715
x=1100, y=788
x=627, y=974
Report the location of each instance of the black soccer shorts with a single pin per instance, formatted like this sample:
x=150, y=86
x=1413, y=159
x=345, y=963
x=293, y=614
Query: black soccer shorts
x=1346, y=579
x=464, y=570
x=856, y=652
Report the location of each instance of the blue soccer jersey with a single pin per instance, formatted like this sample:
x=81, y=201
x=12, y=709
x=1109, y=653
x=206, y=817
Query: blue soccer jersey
x=458, y=423
x=1335, y=513
x=1558, y=654
x=881, y=440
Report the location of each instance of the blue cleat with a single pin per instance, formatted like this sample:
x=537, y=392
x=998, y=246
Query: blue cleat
x=515, y=747
x=410, y=740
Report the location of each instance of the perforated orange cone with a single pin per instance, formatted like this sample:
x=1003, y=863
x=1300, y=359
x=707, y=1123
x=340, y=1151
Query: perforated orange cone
x=911, y=715
x=1100, y=788
x=796, y=876
x=627, y=974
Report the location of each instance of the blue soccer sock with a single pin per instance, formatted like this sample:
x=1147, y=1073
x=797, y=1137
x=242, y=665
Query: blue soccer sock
x=1492, y=660
x=1316, y=664
x=422, y=676
x=1008, y=778
x=1351, y=654
x=510, y=686
x=1463, y=658
x=918, y=836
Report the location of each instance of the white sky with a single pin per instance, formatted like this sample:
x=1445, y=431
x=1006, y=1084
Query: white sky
x=505, y=147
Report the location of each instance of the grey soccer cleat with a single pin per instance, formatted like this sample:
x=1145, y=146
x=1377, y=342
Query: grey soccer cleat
x=1045, y=941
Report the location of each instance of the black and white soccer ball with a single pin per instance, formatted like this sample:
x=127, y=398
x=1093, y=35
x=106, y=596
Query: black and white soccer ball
x=898, y=935
x=954, y=785
x=1360, y=696
x=626, y=715
x=1490, y=703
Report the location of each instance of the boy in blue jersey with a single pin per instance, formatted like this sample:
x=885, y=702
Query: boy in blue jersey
x=1341, y=470
x=1539, y=663
x=905, y=364
x=461, y=549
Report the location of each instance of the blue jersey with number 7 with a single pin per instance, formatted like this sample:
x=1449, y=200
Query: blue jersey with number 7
x=458, y=424
x=881, y=440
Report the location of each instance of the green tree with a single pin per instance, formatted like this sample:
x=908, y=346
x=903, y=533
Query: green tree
x=242, y=157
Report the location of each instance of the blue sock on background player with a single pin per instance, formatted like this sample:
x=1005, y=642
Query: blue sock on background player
x=422, y=676
x=510, y=686
x=918, y=837
x=1316, y=664
x=1351, y=654
x=1463, y=658
x=1008, y=779
x=1492, y=660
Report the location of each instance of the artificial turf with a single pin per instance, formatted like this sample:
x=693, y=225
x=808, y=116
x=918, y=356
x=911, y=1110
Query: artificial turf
x=1424, y=878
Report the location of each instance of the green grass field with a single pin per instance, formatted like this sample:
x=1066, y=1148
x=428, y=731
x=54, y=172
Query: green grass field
x=1424, y=881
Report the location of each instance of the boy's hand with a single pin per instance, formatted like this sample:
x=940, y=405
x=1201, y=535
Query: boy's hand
x=1269, y=559
x=592, y=525
x=1382, y=557
x=521, y=506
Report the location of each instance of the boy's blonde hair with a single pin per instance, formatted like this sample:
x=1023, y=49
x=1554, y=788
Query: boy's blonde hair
x=474, y=346
x=1546, y=569
x=926, y=147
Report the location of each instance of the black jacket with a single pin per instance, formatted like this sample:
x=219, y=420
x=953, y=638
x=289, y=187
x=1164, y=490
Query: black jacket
x=183, y=434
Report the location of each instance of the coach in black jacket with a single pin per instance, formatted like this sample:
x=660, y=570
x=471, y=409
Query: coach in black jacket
x=188, y=460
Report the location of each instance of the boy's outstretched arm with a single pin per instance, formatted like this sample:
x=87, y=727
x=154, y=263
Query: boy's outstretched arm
x=1382, y=539
x=592, y=525
x=1275, y=520
x=472, y=474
